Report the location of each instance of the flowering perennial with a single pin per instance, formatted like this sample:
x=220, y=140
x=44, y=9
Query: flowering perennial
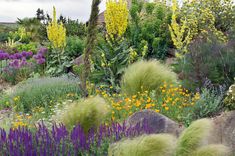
x=59, y=141
x=116, y=17
x=56, y=32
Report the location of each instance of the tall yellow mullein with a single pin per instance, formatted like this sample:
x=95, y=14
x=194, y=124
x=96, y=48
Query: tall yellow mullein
x=180, y=33
x=116, y=17
x=56, y=32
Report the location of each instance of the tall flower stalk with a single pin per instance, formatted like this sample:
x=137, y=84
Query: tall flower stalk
x=116, y=17
x=56, y=33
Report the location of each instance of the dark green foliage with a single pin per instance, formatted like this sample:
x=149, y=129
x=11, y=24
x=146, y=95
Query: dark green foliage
x=149, y=22
x=110, y=60
x=53, y=66
x=74, y=47
x=207, y=59
x=75, y=28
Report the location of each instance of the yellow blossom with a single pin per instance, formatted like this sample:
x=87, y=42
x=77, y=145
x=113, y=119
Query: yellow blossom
x=56, y=32
x=116, y=17
x=157, y=110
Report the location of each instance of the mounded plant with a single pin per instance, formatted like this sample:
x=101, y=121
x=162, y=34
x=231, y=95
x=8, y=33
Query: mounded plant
x=211, y=150
x=193, y=137
x=149, y=145
x=146, y=76
x=42, y=92
x=89, y=113
x=191, y=142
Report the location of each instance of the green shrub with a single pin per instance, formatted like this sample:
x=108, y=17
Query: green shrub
x=149, y=145
x=192, y=138
x=110, y=59
x=42, y=92
x=74, y=46
x=212, y=150
x=229, y=101
x=146, y=76
x=89, y=113
x=27, y=47
x=149, y=22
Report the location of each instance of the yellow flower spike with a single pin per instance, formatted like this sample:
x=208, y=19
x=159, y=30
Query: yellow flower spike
x=56, y=32
x=116, y=17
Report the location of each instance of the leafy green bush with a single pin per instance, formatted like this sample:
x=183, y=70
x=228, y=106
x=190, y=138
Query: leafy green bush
x=74, y=46
x=149, y=23
x=110, y=59
x=42, y=92
x=27, y=47
x=229, y=101
x=191, y=142
x=146, y=76
x=89, y=113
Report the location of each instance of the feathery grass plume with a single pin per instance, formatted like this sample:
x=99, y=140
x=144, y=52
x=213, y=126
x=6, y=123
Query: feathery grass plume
x=146, y=76
x=148, y=145
x=212, y=150
x=89, y=113
x=192, y=138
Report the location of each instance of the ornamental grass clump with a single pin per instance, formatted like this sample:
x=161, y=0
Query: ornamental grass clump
x=212, y=150
x=42, y=92
x=193, y=141
x=149, y=145
x=146, y=76
x=89, y=113
x=193, y=137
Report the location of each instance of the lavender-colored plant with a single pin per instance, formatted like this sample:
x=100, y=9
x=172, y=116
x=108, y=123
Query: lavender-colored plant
x=59, y=141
